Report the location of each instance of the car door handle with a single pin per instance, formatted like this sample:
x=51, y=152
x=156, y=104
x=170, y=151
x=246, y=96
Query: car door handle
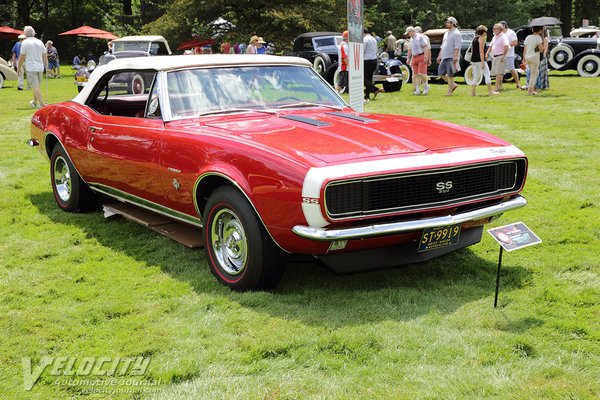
x=95, y=128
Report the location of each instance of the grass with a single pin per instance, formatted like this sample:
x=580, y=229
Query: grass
x=77, y=285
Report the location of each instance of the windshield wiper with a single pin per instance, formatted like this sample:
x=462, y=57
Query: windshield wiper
x=236, y=110
x=310, y=104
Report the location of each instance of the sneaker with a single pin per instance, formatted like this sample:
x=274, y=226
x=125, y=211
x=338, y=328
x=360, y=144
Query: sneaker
x=416, y=92
x=426, y=90
x=32, y=104
x=20, y=88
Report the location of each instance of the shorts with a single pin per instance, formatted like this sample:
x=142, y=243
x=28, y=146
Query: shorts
x=52, y=64
x=419, y=65
x=510, y=62
x=34, y=78
x=445, y=68
x=498, y=66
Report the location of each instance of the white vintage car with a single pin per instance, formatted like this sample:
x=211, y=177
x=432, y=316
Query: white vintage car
x=7, y=73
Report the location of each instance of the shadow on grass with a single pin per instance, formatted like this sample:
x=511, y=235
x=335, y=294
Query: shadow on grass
x=308, y=292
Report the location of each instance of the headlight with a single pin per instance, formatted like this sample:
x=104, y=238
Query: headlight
x=384, y=56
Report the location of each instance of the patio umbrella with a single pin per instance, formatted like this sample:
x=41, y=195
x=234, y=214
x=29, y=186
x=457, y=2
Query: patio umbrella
x=544, y=21
x=6, y=32
x=88, y=31
x=190, y=44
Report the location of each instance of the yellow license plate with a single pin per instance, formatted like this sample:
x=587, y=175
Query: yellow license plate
x=441, y=236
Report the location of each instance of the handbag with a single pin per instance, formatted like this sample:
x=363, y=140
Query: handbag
x=469, y=53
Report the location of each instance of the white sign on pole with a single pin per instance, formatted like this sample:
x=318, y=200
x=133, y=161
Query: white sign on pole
x=355, y=54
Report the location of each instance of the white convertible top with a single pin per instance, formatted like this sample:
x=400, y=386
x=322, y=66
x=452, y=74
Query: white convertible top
x=165, y=63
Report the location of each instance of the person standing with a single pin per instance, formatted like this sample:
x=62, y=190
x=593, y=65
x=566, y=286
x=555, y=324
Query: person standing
x=499, y=48
x=543, y=82
x=260, y=46
x=370, y=64
x=390, y=44
x=448, y=58
x=251, y=49
x=35, y=59
x=534, y=44
x=418, y=58
x=510, y=56
x=478, y=60
x=16, y=51
x=53, y=62
x=342, y=82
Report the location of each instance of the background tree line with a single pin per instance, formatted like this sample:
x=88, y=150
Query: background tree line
x=278, y=21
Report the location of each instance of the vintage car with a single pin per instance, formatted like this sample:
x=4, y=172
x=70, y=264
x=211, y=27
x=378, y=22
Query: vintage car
x=126, y=47
x=321, y=49
x=567, y=53
x=7, y=73
x=267, y=161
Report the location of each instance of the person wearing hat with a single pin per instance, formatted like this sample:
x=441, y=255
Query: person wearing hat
x=260, y=46
x=35, y=60
x=252, y=45
x=449, y=56
x=343, y=52
x=418, y=58
x=390, y=44
x=16, y=51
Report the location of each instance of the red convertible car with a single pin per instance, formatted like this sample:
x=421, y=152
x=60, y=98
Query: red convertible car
x=267, y=160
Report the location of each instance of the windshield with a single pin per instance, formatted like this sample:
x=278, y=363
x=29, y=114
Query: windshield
x=197, y=92
x=125, y=46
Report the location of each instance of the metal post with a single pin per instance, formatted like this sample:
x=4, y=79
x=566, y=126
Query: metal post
x=498, y=278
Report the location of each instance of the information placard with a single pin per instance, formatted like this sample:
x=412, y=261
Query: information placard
x=355, y=55
x=514, y=236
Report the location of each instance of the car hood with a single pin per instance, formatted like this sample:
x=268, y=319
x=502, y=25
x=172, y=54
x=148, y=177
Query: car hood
x=338, y=137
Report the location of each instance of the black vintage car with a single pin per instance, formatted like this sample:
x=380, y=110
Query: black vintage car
x=567, y=53
x=321, y=49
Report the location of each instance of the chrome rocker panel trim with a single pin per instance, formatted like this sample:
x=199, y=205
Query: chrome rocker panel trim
x=361, y=232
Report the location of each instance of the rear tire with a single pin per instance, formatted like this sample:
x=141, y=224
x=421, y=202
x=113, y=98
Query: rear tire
x=470, y=78
x=71, y=193
x=241, y=255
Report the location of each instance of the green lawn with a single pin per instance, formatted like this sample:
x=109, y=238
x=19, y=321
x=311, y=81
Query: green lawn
x=77, y=285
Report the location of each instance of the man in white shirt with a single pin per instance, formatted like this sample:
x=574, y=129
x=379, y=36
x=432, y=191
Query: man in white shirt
x=510, y=56
x=370, y=64
x=418, y=59
x=449, y=56
x=35, y=59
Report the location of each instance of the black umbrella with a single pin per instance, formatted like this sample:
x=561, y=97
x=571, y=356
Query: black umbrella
x=545, y=21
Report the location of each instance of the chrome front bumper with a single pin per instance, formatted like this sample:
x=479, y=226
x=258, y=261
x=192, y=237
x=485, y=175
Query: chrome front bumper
x=361, y=232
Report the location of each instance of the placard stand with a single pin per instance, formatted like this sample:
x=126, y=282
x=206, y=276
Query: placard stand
x=511, y=237
x=498, y=277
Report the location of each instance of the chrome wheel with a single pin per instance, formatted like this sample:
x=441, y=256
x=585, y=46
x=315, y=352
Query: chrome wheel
x=62, y=179
x=229, y=242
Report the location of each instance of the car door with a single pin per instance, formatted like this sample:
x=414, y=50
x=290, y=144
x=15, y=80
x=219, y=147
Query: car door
x=123, y=142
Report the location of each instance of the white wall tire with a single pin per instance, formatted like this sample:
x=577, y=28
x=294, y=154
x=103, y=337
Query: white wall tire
x=589, y=66
x=560, y=56
x=470, y=78
x=321, y=63
x=1, y=80
x=406, y=73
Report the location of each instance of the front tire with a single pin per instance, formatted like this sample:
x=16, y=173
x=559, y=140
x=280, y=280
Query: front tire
x=137, y=84
x=589, y=66
x=321, y=64
x=240, y=253
x=560, y=56
x=70, y=191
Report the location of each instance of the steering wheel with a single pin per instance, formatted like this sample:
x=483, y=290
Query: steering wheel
x=288, y=98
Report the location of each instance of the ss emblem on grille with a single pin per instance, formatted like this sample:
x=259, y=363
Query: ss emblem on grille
x=443, y=187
